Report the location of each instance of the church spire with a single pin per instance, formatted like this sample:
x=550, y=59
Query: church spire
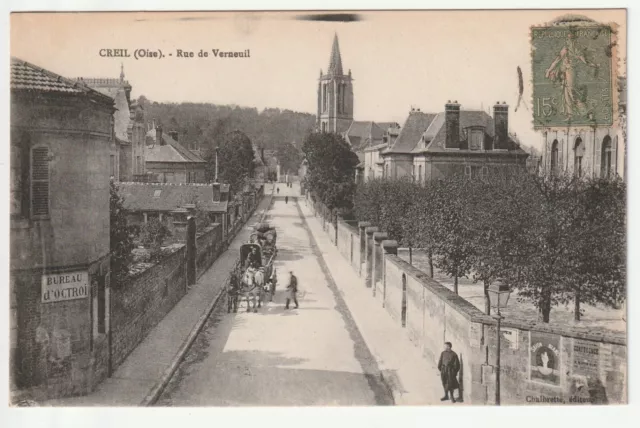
x=335, y=62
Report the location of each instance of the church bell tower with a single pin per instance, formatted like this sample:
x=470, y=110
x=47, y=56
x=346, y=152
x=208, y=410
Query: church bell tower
x=335, y=95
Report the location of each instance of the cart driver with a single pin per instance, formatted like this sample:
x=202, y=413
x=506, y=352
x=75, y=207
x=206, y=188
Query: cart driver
x=253, y=260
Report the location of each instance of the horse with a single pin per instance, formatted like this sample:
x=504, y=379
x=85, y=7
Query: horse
x=252, y=288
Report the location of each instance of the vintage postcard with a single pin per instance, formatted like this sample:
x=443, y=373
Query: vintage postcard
x=349, y=208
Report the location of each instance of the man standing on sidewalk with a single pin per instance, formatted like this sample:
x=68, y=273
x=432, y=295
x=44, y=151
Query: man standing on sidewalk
x=449, y=365
x=292, y=291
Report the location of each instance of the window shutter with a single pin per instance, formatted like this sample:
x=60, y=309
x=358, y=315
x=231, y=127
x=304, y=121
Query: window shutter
x=40, y=181
x=598, y=155
x=614, y=156
x=467, y=171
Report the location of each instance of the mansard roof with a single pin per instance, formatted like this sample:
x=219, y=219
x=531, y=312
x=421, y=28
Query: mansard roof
x=415, y=125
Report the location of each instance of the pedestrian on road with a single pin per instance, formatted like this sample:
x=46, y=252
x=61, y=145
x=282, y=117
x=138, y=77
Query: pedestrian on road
x=286, y=199
x=278, y=190
x=449, y=365
x=292, y=291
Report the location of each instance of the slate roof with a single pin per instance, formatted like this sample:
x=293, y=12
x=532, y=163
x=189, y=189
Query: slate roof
x=31, y=78
x=145, y=196
x=171, y=151
x=360, y=133
x=415, y=125
x=335, y=61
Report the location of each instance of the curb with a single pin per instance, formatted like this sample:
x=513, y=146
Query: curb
x=154, y=393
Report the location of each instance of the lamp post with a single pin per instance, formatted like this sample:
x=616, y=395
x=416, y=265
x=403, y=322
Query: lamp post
x=499, y=293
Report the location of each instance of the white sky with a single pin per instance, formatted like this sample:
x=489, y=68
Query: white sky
x=398, y=59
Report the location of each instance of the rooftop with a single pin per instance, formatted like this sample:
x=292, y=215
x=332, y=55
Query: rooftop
x=169, y=197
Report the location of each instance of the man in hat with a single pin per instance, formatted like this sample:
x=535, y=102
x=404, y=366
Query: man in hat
x=449, y=365
x=292, y=291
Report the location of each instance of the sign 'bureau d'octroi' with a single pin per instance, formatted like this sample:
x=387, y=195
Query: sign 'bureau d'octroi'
x=64, y=286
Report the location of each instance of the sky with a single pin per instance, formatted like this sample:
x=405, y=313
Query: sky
x=398, y=60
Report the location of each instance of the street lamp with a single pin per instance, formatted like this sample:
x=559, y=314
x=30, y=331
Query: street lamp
x=499, y=293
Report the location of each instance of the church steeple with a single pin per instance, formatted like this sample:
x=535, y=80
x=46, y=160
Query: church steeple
x=335, y=61
x=335, y=95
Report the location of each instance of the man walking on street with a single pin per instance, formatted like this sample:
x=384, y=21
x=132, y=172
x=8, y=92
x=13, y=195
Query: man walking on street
x=449, y=365
x=292, y=291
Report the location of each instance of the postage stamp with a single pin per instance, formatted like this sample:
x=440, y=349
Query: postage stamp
x=574, y=73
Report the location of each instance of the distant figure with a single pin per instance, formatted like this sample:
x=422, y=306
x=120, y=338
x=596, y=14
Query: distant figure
x=278, y=190
x=286, y=199
x=292, y=291
x=449, y=365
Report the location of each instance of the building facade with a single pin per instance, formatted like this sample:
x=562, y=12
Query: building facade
x=61, y=142
x=589, y=152
x=456, y=141
x=127, y=157
x=168, y=161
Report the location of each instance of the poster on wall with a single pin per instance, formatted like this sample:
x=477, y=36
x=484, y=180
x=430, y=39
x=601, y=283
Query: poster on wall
x=544, y=357
x=586, y=358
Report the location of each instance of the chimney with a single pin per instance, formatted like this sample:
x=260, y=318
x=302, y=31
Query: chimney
x=159, y=139
x=501, y=125
x=452, y=123
x=174, y=135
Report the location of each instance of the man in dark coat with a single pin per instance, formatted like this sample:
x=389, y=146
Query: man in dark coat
x=292, y=291
x=449, y=365
x=253, y=260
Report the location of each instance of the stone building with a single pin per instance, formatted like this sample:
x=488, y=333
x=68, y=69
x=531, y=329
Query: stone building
x=127, y=158
x=456, y=141
x=168, y=161
x=61, y=142
x=174, y=202
x=593, y=152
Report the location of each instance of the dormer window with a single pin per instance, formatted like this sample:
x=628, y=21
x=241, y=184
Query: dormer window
x=476, y=138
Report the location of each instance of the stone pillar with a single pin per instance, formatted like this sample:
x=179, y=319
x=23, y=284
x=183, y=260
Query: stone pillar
x=376, y=271
x=362, y=225
x=388, y=247
x=191, y=251
x=369, y=231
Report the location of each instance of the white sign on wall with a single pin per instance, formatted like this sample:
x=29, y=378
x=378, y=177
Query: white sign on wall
x=65, y=286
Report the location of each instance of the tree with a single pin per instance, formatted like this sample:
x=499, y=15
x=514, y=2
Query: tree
x=331, y=169
x=235, y=160
x=289, y=157
x=451, y=228
x=121, y=236
x=152, y=235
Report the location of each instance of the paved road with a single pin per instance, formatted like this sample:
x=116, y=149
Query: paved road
x=313, y=355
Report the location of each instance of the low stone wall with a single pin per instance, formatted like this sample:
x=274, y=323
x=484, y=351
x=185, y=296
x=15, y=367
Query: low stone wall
x=209, y=246
x=140, y=303
x=539, y=363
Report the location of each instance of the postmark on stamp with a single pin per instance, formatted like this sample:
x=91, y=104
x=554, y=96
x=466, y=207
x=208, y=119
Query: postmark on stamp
x=574, y=69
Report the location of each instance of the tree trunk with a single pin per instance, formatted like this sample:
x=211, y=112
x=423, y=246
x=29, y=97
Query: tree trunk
x=576, y=315
x=410, y=256
x=487, y=301
x=545, y=305
x=455, y=284
x=431, y=264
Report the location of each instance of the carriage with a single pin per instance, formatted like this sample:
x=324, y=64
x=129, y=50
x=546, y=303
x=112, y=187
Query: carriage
x=254, y=275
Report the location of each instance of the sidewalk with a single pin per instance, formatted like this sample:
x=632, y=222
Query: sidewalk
x=140, y=373
x=413, y=380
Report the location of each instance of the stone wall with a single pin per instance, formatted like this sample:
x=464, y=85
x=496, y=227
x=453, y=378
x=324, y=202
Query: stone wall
x=209, y=246
x=577, y=368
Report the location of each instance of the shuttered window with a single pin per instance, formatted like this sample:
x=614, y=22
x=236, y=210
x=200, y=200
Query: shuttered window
x=40, y=182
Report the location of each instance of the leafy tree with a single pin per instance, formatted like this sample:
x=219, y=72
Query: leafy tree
x=451, y=228
x=121, y=236
x=153, y=234
x=235, y=160
x=330, y=173
x=289, y=157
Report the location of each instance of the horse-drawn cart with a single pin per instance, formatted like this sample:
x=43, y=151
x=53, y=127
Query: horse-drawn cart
x=254, y=275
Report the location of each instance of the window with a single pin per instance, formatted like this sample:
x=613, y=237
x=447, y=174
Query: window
x=484, y=172
x=112, y=163
x=324, y=97
x=138, y=165
x=605, y=161
x=554, y=156
x=578, y=157
x=324, y=126
x=475, y=139
x=19, y=180
x=339, y=97
x=467, y=171
x=156, y=193
x=419, y=173
x=40, y=181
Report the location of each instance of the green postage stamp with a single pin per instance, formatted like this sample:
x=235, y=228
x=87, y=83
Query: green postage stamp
x=574, y=73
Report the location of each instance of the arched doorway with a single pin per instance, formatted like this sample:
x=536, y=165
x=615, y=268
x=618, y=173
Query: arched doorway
x=606, y=157
x=403, y=315
x=578, y=157
x=554, y=156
